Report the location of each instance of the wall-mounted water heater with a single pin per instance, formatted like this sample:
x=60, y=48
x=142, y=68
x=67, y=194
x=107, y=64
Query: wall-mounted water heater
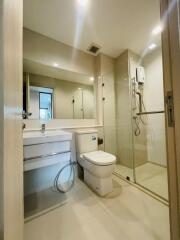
x=140, y=75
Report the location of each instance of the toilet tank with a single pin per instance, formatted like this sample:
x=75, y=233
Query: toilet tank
x=86, y=141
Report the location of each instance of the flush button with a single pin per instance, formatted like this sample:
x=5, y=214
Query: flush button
x=93, y=138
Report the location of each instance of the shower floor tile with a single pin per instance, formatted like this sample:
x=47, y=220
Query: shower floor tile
x=148, y=175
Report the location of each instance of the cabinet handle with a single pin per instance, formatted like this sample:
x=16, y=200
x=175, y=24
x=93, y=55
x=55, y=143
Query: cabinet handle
x=45, y=155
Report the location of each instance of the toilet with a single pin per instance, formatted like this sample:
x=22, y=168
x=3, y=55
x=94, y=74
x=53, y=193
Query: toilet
x=97, y=165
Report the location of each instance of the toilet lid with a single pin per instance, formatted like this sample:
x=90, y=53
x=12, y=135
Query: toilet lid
x=100, y=158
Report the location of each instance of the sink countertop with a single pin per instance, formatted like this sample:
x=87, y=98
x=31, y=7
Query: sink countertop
x=30, y=138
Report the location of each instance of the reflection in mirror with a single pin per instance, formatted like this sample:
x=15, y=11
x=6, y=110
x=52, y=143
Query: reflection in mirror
x=54, y=93
x=41, y=102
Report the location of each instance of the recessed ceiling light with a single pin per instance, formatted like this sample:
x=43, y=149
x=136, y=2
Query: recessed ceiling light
x=157, y=30
x=79, y=88
x=91, y=79
x=56, y=65
x=152, y=46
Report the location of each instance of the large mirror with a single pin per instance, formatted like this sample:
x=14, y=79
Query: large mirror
x=54, y=93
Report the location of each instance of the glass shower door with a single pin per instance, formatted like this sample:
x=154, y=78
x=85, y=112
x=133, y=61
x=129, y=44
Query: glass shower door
x=149, y=140
x=150, y=155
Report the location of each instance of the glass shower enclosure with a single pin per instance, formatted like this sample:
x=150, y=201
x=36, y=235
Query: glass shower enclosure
x=140, y=121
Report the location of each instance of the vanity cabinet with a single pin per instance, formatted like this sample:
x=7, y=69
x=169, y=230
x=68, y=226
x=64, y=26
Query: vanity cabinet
x=45, y=154
x=46, y=149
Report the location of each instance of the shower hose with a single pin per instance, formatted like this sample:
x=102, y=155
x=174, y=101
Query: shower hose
x=71, y=179
x=138, y=119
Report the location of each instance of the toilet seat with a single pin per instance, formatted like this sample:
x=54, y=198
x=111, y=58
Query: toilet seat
x=99, y=158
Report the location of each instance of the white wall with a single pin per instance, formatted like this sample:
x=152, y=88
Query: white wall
x=108, y=105
x=154, y=101
x=123, y=111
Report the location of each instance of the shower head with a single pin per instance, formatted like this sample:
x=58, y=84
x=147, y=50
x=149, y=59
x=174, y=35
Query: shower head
x=140, y=101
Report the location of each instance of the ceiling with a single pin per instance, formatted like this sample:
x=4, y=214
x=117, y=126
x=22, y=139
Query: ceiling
x=57, y=73
x=115, y=25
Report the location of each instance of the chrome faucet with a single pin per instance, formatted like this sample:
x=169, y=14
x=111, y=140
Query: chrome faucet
x=43, y=128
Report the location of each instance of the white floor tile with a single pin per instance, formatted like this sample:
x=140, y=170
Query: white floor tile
x=126, y=214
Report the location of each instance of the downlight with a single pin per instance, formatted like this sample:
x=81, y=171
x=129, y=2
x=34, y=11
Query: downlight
x=157, y=30
x=152, y=46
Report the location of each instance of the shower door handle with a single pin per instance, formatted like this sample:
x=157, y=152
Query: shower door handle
x=170, y=108
x=148, y=113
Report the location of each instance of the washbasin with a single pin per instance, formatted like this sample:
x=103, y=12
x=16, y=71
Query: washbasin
x=36, y=137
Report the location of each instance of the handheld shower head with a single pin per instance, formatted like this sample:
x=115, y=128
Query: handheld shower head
x=140, y=101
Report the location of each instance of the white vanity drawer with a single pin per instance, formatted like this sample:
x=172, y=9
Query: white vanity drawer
x=44, y=149
x=46, y=161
